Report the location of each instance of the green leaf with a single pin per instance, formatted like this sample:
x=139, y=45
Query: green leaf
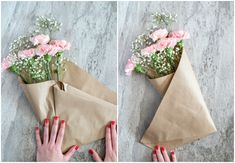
x=180, y=43
x=59, y=54
x=169, y=51
x=154, y=58
x=47, y=57
x=139, y=69
x=14, y=69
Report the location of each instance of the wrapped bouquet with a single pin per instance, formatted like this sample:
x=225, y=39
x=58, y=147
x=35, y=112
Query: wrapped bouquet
x=56, y=86
x=182, y=116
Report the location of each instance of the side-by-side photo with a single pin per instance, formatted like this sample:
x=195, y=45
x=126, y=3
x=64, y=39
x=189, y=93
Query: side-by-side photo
x=175, y=84
x=59, y=81
x=117, y=81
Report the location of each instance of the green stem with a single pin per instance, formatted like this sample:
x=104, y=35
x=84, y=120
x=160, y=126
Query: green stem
x=48, y=71
x=25, y=81
x=58, y=64
x=58, y=71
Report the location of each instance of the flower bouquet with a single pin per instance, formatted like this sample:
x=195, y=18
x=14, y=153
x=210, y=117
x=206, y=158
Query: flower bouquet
x=182, y=116
x=56, y=86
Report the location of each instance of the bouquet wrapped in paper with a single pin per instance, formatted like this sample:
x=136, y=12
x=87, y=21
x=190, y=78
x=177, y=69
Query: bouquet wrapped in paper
x=182, y=115
x=56, y=86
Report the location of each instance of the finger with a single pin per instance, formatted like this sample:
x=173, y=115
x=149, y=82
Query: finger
x=70, y=152
x=54, y=130
x=60, y=136
x=108, y=141
x=173, y=156
x=38, y=138
x=95, y=155
x=165, y=154
x=154, y=156
x=114, y=136
x=159, y=154
x=46, y=131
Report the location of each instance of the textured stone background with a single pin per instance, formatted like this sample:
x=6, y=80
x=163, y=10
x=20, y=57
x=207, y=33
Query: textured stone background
x=210, y=51
x=91, y=29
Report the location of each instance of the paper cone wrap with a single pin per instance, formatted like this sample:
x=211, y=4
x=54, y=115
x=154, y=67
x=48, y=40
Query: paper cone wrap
x=84, y=103
x=182, y=116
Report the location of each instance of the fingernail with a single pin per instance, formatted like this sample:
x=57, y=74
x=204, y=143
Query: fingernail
x=162, y=149
x=172, y=153
x=91, y=152
x=76, y=147
x=56, y=118
x=109, y=126
x=157, y=147
x=62, y=122
x=154, y=152
x=113, y=122
x=46, y=121
x=36, y=128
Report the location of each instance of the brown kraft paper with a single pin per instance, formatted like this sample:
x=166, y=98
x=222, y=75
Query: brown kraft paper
x=182, y=116
x=84, y=103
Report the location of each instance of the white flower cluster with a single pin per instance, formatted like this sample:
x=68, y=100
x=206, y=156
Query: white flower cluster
x=46, y=25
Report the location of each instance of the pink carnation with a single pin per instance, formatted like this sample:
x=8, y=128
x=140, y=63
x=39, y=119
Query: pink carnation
x=165, y=43
x=7, y=62
x=64, y=45
x=40, y=39
x=26, y=53
x=159, y=46
x=161, y=33
x=129, y=67
x=179, y=35
x=149, y=50
x=43, y=49
x=54, y=50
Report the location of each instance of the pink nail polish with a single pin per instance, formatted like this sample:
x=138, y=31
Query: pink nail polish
x=36, y=128
x=56, y=118
x=157, y=147
x=76, y=147
x=162, y=149
x=172, y=153
x=62, y=122
x=154, y=152
x=46, y=121
x=113, y=122
x=91, y=152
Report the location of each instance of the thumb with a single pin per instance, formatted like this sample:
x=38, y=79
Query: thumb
x=70, y=152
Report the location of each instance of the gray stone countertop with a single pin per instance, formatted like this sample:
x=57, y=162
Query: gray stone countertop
x=210, y=51
x=90, y=27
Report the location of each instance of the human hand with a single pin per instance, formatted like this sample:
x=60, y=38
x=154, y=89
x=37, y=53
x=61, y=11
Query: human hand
x=110, y=145
x=161, y=155
x=50, y=148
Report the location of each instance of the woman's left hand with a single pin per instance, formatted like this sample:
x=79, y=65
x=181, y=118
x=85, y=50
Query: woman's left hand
x=50, y=148
x=110, y=145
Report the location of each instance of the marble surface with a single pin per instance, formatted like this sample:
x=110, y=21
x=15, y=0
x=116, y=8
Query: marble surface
x=210, y=51
x=91, y=29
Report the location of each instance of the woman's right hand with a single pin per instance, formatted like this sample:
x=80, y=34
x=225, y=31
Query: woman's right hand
x=160, y=155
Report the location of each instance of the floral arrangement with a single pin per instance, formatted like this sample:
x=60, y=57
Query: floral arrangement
x=157, y=52
x=36, y=57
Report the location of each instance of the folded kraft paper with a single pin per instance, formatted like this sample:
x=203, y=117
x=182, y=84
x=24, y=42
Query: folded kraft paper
x=182, y=116
x=83, y=102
